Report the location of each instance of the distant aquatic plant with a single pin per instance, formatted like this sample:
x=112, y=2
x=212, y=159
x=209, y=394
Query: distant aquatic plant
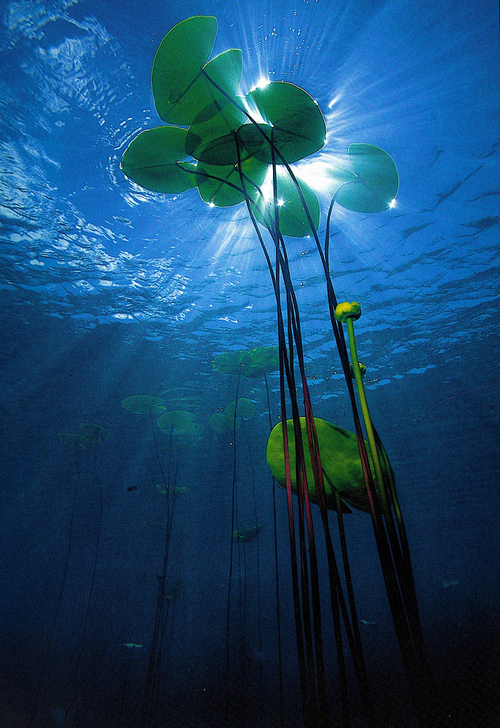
x=242, y=150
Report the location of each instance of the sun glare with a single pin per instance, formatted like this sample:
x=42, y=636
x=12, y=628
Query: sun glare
x=262, y=83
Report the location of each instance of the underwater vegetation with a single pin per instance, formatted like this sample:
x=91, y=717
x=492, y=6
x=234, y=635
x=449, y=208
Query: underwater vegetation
x=245, y=535
x=241, y=150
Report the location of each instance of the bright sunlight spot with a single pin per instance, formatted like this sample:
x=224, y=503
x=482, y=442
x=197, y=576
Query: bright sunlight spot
x=261, y=83
x=392, y=203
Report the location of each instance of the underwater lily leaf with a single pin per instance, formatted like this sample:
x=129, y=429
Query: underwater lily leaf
x=293, y=120
x=242, y=406
x=244, y=535
x=340, y=461
x=221, y=422
x=337, y=176
x=377, y=182
x=152, y=160
x=80, y=442
x=251, y=363
x=180, y=56
x=223, y=186
x=143, y=404
x=94, y=433
x=180, y=98
x=179, y=421
x=293, y=220
x=211, y=136
x=172, y=490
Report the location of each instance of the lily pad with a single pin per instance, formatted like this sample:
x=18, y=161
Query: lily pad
x=294, y=124
x=377, y=181
x=94, y=433
x=179, y=421
x=339, y=459
x=73, y=439
x=144, y=404
x=293, y=220
x=153, y=160
x=243, y=407
x=251, y=363
x=181, y=89
x=211, y=138
x=221, y=422
x=224, y=187
x=180, y=56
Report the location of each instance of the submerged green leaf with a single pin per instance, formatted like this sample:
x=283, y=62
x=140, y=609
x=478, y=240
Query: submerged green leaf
x=182, y=80
x=242, y=407
x=293, y=220
x=248, y=362
x=211, y=136
x=152, y=160
x=377, y=181
x=340, y=461
x=293, y=120
x=224, y=186
x=221, y=422
x=180, y=56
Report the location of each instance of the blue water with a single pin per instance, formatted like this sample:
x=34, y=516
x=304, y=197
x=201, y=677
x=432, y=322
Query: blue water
x=109, y=291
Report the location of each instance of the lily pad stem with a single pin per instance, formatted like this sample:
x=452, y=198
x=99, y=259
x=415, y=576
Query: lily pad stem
x=379, y=480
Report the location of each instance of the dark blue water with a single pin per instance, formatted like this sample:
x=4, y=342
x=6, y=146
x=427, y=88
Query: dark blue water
x=109, y=291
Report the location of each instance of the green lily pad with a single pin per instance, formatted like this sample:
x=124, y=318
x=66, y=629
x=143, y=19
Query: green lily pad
x=94, y=433
x=293, y=123
x=223, y=186
x=377, y=181
x=181, y=88
x=80, y=442
x=153, y=160
x=179, y=421
x=339, y=459
x=221, y=422
x=250, y=363
x=180, y=56
x=242, y=406
x=337, y=176
x=211, y=136
x=293, y=220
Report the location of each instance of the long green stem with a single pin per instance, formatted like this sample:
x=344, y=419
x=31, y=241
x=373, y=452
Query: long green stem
x=379, y=479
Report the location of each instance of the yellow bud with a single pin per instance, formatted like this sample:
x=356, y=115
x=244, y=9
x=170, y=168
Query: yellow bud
x=347, y=310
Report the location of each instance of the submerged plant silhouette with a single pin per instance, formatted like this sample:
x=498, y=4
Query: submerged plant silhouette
x=242, y=150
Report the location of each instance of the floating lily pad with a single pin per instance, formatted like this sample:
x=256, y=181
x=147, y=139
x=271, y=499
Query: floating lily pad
x=179, y=421
x=294, y=124
x=180, y=88
x=293, y=220
x=211, y=138
x=144, y=404
x=244, y=535
x=94, y=433
x=377, y=181
x=154, y=160
x=221, y=422
x=251, y=363
x=73, y=439
x=339, y=459
x=180, y=56
x=224, y=186
x=243, y=407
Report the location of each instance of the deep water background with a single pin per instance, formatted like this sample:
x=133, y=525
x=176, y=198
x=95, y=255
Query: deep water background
x=108, y=291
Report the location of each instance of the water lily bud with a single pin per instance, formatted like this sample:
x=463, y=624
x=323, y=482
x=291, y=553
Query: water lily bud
x=347, y=310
